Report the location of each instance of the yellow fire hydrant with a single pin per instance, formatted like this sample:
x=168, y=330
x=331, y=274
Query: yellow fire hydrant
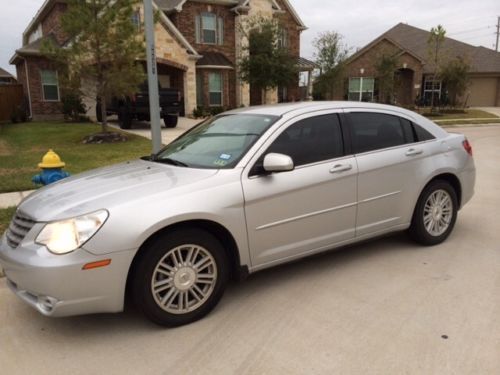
x=51, y=166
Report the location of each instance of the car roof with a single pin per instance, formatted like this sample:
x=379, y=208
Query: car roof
x=285, y=108
x=298, y=108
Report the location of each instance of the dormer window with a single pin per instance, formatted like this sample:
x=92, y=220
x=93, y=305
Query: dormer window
x=209, y=29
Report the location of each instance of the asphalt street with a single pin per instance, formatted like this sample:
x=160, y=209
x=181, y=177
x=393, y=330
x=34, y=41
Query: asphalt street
x=387, y=306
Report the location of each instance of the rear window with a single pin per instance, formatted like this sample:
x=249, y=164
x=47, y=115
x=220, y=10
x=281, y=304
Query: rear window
x=422, y=134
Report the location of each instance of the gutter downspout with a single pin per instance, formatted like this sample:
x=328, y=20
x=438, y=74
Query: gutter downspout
x=28, y=87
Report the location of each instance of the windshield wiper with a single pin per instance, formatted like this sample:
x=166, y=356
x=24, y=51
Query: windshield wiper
x=170, y=161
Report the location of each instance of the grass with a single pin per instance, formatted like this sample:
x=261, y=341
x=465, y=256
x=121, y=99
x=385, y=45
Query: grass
x=22, y=147
x=5, y=217
x=467, y=114
x=468, y=122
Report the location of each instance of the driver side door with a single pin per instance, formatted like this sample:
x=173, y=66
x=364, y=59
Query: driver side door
x=310, y=208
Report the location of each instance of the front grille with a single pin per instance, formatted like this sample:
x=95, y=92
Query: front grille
x=19, y=227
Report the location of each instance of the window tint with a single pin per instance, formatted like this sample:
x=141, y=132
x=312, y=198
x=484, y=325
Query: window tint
x=408, y=131
x=311, y=140
x=373, y=131
x=422, y=134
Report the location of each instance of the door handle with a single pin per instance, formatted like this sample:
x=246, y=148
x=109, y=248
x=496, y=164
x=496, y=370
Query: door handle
x=338, y=168
x=414, y=151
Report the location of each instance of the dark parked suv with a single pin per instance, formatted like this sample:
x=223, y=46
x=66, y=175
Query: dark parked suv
x=136, y=107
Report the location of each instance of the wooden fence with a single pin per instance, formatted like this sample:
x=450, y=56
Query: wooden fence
x=11, y=97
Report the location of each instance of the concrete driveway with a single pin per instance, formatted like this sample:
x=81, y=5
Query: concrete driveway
x=383, y=307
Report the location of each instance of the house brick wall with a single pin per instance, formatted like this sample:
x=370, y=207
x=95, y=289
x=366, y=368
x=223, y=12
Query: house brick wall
x=41, y=109
x=51, y=24
x=185, y=21
x=21, y=78
x=368, y=59
x=289, y=23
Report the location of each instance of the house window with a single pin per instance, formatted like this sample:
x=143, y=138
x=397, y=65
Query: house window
x=209, y=29
x=361, y=89
x=283, y=38
x=215, y=89
x=50, y=85
x=431, y=85
x=136, y=19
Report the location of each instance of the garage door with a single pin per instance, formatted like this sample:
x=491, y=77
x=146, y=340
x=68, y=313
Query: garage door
x=483, y=92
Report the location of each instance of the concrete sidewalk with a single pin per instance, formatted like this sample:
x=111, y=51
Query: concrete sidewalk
x=12, y=199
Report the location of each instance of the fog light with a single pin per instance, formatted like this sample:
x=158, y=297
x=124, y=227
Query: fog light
x=46, y=303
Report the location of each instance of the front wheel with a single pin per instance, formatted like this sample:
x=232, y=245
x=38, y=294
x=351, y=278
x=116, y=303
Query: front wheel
x=435, y=214
x=180, y=278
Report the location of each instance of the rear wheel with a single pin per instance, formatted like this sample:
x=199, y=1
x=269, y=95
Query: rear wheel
x=98, y=112
x=124, y=118
x=435, y=214
x=180, y=278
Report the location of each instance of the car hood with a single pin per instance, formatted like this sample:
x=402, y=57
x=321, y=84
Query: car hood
x=107, y=187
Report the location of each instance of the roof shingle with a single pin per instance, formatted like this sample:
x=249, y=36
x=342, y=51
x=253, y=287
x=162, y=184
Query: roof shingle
x=414, y=40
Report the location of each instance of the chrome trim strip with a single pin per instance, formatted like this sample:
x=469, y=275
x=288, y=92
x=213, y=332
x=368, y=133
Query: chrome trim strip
x=379, y=197
x=285, y=221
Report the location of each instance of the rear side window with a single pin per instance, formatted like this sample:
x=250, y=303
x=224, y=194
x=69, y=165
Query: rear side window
x=374, y=131
x=422, y=134
x=311, y=140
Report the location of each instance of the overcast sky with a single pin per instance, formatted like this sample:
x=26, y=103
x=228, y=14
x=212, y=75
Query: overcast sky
x=358, y=21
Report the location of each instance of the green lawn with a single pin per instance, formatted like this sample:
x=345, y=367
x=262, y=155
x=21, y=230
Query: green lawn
x=467, y=114
x=22, y=147
x=5, y=216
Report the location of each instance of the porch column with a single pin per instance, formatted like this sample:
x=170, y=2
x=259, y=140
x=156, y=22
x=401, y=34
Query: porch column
x=309, y=86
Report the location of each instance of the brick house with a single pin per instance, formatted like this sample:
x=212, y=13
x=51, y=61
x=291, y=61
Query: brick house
x=198, y=45
x=415, y=73
x=6, y=78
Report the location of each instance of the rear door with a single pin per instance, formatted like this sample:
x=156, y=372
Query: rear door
x=293, y=213
x=388, y=163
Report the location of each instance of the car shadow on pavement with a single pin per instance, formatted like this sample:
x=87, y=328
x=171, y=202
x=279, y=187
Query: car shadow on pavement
x=302, y=271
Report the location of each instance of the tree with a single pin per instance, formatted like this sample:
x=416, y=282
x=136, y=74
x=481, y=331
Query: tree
x=103, y=47
x=331, y=54
x=265, y=63
x=385, y=67
x=454, y=75
x=435, y=42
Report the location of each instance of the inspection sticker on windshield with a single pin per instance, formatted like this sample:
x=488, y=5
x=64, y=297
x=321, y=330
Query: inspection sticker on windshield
x=225, y=156
x=220, y=163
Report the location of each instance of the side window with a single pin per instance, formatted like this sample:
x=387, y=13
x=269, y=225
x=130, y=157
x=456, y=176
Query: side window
x=408, y=131
x=311, y=140
x=374, y=131
x=422, y=134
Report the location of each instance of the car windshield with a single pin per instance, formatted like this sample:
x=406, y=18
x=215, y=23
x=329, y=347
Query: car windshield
x=217, y=143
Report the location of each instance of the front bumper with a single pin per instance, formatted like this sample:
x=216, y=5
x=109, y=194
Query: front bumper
x=56, y=285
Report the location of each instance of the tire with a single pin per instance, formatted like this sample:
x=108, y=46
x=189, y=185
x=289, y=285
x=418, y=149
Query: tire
x=170, y=120
x=98, y=113
x=191, y=294
x=124, y=118
x=435, y=214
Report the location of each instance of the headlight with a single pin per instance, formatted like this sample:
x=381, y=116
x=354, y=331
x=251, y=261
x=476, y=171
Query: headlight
x=64, y=236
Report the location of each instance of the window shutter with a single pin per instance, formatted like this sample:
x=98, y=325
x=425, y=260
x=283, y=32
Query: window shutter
x=220, y=30
x=198, y=29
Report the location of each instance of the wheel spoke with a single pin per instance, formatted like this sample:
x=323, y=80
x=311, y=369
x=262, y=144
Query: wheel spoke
x=184, y=279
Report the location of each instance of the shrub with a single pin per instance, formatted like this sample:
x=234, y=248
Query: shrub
x=73, y=108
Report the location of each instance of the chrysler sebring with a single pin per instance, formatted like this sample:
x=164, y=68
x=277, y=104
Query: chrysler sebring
x=243, y=191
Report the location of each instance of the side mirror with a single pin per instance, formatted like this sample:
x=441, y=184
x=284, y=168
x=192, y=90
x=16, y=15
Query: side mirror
x=278, y=163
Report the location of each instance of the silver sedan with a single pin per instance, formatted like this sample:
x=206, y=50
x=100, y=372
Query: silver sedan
x=241, y=192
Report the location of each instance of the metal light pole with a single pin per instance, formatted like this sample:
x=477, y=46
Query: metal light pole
x=154, y=99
